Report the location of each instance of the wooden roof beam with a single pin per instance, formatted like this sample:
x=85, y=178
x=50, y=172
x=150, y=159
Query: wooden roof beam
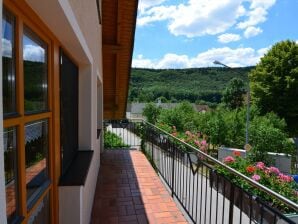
x=112, y=48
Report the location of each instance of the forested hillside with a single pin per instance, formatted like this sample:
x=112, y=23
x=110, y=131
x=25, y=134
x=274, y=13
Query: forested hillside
x=197, y=85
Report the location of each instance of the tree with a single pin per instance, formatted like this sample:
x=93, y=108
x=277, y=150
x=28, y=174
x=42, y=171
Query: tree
x=181, y=117
x=274, y=83
x=266, y=135
x=233, y=94
x=151, y=112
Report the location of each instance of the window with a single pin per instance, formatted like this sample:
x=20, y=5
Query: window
x=42, y=213
x=10, y=161
x=8, y=61
x=27, y=117
x=36, y=154
x=35, y=72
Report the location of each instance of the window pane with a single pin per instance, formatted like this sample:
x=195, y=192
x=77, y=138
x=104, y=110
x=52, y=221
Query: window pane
x=8, y=67
x=42, y=213
x=36, y=155
x=35, y=73
x=10, y=158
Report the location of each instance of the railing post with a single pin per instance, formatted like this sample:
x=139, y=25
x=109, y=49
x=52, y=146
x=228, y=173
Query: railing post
x=152, y=147
x=173, y=168
x=231, y=209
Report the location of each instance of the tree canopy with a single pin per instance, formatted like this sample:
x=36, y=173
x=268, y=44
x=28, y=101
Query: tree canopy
x=274, y=83
x=196, y=85
x=233, y=94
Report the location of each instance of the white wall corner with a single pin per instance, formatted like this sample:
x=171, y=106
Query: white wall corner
x=75, y=26
x=71, y=204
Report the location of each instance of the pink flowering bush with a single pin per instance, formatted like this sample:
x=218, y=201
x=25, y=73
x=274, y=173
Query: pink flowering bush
x=197, y=139
x=270, y=177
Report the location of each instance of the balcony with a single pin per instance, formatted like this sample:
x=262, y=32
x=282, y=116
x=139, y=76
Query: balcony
x=130, y=191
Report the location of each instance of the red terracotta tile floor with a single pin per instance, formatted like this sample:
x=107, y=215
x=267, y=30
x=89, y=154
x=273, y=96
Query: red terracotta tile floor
x=129, y=191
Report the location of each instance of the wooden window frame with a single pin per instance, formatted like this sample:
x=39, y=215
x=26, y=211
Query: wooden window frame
x=25, y=16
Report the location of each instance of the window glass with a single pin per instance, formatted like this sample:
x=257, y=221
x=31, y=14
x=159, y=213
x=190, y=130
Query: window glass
x=8, y=61
x=42, y=213
x=10, y=160
x=35, y=73
x=36, y=155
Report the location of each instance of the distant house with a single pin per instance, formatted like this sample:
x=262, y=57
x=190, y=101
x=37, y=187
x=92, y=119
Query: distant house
x=135, y=110
x=202, y=108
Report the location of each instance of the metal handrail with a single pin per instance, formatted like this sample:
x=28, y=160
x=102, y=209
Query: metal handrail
x=288, y=202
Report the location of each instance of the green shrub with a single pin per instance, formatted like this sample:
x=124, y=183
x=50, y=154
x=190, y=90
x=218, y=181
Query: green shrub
x=111, y=140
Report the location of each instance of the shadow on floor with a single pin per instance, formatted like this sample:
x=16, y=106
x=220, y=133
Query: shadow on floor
x=129, y=191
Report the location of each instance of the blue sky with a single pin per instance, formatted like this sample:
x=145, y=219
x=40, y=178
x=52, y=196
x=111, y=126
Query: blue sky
x=194, y=33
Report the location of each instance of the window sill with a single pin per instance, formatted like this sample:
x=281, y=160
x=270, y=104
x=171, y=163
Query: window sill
x=77, y=172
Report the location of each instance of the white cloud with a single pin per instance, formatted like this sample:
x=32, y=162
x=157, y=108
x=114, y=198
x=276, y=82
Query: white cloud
x=174, y=61
x=6, y=48
x=145, y=4
x=196, y=18
x=34, y=53
x=228, y=37
x=252, y=31
x=140, y=62
x=238, y=57
x=264, y=50
x=262, y=3
x=257, y=13
x=205, y=17
x=158, y=13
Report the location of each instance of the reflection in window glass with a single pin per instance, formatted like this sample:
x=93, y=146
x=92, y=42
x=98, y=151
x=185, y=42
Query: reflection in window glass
x=35, y=73
x=42, y=213
x=9, y=138
x=8, y=67
x=36, y=155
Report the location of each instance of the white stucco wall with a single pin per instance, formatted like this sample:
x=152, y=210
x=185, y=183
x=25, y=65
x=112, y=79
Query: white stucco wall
x=67, y=200
x=2, y=178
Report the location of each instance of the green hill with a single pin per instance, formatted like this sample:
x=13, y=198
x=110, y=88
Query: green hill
x=194, y=84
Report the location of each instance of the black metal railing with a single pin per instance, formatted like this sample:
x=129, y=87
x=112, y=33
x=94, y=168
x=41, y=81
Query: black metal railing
x=205, y=195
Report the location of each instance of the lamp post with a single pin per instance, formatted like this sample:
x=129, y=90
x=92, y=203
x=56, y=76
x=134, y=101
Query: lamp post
x=248, y=105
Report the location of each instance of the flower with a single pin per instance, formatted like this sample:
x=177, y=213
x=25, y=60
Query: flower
x=260, y=165
x=285, y=178
x=250, y=169
x=197, y=142
x=229, y=159
x=256, y=177
x=236, y=153
x=188, y=133
x=203, y=142
x=274, y=170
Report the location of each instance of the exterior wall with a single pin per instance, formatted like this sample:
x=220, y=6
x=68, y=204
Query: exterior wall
x=73, y=215
x=2, y=178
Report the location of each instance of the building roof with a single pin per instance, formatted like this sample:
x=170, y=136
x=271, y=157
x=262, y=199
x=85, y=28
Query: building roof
x=118, y=29
x=137, y=108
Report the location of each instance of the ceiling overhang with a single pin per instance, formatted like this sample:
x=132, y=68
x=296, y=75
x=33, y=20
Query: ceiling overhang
x=118, y=29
